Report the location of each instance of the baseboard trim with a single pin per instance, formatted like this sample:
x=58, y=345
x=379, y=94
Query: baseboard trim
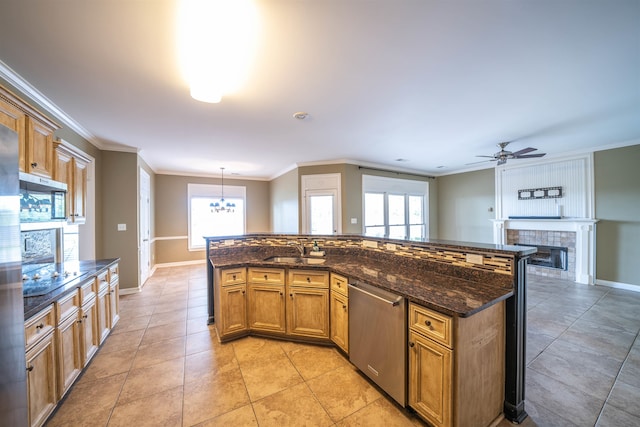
x=179, y=263
x=129, y=291
x=618, y=285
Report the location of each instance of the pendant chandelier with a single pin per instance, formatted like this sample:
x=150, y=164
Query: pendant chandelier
x=222, y=206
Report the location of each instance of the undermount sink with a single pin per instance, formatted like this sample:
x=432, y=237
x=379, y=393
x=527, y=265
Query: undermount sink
x=295, y=260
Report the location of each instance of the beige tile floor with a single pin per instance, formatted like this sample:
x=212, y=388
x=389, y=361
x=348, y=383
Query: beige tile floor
x=163, y=366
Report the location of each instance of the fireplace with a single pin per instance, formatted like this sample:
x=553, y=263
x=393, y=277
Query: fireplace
x=549, y=256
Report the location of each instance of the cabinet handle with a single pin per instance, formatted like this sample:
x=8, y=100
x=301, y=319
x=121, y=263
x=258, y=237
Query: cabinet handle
x=79, y=321
x=291, y=295
x=242, y=292
x=30, y=368
x=339, y=284
x=266, y=277
x=308, y=280
x=411, y=344
x=34, y=165
x=234, y=277
x=344, y=306
x=428, y=323
x=85, y=316
x=40, y=326
x=281, y=293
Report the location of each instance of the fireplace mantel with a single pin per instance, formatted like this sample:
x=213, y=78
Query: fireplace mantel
x=585, y=239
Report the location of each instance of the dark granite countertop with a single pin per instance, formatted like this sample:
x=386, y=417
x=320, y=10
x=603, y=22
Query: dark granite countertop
x=455, y=296
x=87, y=270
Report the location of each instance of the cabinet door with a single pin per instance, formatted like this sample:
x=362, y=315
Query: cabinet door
x=14, y=119
x=267, y=308
x=430, y=378
x=39, y=159
x=63, y=172
x=308, y=312
x=79, y=213
x=114, y=303
x=340, y=320
x=69, y=355
x=104, y=304
x=89, y=338
x=41, y=380
x=233, y=318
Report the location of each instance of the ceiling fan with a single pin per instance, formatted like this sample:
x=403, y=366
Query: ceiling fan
x=503, y=155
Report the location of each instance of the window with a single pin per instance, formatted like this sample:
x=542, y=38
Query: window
x=395, y=208
x=204, y=221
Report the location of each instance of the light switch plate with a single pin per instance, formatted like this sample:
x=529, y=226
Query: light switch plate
x=122, y=227
x=354, y=220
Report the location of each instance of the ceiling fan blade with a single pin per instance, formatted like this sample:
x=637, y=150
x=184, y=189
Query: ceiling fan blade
x=481, y=161
x=491, y=157
x=523, y=151
x=529, y=156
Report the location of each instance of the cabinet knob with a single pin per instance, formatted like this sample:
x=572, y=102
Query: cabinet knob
x=281, y=293
x=79, y=321
x=85, y=316
x=428, y=323
x=266, y=277
x=344, y=306
x=34, y=165
x=30, y=368
x=291, y=295
x=308, y=280
x=40, y=326
x=242, y=292
x=411, y=344
x=234, y=277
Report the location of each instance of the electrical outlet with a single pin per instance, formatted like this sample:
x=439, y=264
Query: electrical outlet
x=122, y=227
x=369, y=244
x=229, y=242
x=354, y=220
x=475, y=259
x=390, y=246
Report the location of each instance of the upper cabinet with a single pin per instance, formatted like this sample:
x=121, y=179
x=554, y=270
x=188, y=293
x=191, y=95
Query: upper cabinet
x=70, y=166
x=35, y=134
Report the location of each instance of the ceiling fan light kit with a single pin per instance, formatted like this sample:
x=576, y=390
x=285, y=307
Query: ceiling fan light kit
x=503, y=155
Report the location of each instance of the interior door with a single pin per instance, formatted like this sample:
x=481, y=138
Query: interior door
x=145, y=219
x=321, y=211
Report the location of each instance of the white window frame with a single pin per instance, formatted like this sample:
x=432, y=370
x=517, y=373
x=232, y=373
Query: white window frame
x=396, y=186
x=331, y=182
x=214, y=191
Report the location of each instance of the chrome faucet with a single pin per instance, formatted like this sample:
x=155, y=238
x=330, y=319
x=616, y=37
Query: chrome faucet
x=298, y=245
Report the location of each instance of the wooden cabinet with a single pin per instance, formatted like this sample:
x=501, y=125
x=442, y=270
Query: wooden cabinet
x=266, y=310
x=89, y=338
x=103, y=303
x=70, y=167
x=456, y=366
x=308, y=304
x=41, y=366
x=68, y=341
x=35, y=134
x=114, y=295
x=339, y=311
x=230, y=299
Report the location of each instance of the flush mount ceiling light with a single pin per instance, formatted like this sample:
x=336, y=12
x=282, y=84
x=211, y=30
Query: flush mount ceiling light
x=216, y=44
x=222, y=206
x=300, y=115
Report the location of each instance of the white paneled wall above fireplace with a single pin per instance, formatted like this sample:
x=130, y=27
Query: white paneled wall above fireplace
x=574, y=175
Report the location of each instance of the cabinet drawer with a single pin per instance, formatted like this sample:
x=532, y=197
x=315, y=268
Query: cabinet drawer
x=339, y=284
x=430, y=323
x=266, y=275
x=232, y=276
x=38, y=326
x=102, y=281
x=67, y=306
x=86, y=292
x=114, y=273
x=315, y=279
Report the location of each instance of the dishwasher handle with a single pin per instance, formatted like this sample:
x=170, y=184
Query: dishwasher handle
x=393, y=303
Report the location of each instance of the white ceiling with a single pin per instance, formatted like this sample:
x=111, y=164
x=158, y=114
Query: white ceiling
x=434, y=82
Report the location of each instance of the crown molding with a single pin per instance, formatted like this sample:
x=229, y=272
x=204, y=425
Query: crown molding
x=36, y=96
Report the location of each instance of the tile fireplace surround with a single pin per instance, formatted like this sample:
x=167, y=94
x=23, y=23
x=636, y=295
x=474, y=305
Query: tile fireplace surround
x=578, y=235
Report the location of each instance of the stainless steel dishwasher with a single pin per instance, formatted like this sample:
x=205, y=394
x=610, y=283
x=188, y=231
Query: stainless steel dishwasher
x=378, y=337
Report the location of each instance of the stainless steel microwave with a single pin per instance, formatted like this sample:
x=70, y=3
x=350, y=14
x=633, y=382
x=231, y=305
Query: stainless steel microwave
x=42, y=200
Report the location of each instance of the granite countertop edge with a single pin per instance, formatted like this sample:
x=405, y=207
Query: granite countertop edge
x=450, y=295
x=87, y=270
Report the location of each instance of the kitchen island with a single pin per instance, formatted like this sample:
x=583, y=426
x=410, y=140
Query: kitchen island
x=456, y=286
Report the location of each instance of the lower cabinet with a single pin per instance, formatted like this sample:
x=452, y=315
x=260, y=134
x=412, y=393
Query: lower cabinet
x=456, y=366
x=339, y=311
x=104, y=306
x=234, y=318
x=308, y=303
x=60, y=341
x=89, y=339
x=42, y=390
x=114, y=295
x=267, y=308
